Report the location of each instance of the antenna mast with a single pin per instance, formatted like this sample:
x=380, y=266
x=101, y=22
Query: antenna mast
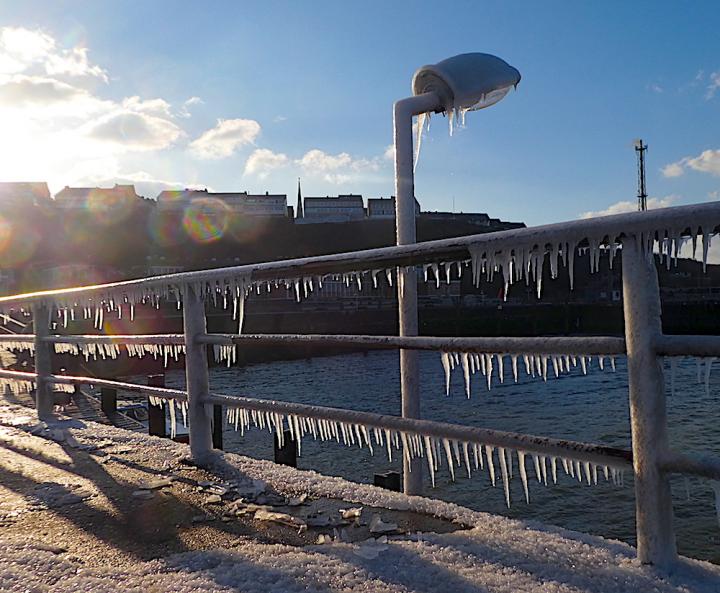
x=640, y=149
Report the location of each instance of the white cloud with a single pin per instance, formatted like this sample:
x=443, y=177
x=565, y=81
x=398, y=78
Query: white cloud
x=24, y=49
x=262, y=161
x=105, y=172
x=714, y=85
x=53, y=121
x=338, y=168
x=631, y=206
x=656, y=88
x=191, y=102
x=279, y=119
x=225, y=138
x=134, y=130
x=389, y=153
x=158, y=107
x=707, y=161
x=21, y=90
x=673, y=169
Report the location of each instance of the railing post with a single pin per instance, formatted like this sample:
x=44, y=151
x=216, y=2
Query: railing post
x=648, y=420
x=43, y=363
x=403, y=113
x=197, y=378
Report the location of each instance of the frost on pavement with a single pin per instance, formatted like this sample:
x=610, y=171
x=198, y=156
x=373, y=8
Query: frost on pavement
x=495, y=555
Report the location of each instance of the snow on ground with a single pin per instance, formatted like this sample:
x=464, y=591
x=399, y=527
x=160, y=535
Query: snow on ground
x=495, y=555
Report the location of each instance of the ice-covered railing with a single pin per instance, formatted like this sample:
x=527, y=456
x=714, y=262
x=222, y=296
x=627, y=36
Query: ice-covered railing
x=517, y=255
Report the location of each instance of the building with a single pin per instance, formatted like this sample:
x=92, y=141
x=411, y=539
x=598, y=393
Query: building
x=473, y=218
x=15, y=195
x=87, y=198
x=342, y=208
x=266, y=205
x=380, y=208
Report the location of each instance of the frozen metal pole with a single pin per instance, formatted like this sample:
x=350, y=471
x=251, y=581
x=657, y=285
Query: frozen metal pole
x=404, y=110
x=648, y=420
x=43, y=363
x=197, y=379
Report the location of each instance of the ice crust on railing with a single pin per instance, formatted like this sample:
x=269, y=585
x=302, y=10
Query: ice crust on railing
x=16, y=386
x=28, y=346
x=492, y=364
x=516, y=257
x=458, y=454
x=112, y=351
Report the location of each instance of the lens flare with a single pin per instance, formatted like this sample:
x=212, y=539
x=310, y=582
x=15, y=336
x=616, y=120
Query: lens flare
x=16, y=247
x=109, y=206
x=206, y=219
x=165, y=228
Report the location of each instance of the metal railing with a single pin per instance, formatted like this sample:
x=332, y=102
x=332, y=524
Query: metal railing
x=517, y=254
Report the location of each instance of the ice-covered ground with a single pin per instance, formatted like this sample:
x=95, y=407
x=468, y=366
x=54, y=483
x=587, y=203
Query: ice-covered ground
x=494, y=555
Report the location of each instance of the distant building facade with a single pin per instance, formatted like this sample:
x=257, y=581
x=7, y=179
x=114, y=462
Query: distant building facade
x=14, y=195
x=265, y=205
x=474, y=218
x=82, y=198
x=379, y=208
x=342, y=208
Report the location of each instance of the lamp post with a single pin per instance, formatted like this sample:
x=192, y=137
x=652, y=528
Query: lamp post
x=462, y=83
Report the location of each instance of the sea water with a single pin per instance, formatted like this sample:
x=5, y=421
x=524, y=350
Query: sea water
x=591, y=408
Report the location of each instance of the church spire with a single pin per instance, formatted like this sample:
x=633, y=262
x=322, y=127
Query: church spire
x=299, y=210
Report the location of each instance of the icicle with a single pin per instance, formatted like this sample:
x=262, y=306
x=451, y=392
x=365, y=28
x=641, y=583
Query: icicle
x=504, y=471
x=491, y=465
x=523, y=475
x=445, y=360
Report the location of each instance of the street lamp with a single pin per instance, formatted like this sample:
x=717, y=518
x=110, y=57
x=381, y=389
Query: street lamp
x=459, y=84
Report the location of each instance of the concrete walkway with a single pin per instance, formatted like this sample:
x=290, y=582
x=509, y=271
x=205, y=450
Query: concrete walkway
x=84, y=506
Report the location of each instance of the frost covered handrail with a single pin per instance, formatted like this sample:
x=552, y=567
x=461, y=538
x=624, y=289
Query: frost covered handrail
x=598, y=454
x=670, y=223
x=607, y=345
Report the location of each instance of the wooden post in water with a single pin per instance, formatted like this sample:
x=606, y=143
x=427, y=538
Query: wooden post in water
x=648, y=419
x=108, y=400
x=197, y=379
x=217, y=427
x=156, y=414
x=43, y=364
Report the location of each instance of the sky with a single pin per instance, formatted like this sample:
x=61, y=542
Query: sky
x=249, y=96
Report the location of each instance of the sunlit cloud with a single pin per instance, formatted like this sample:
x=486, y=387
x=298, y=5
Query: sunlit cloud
x=225, y=138
x=337, y=168
x=106, y=172
x=263, y=160
x=134, y=130
x=707, y=161
x=24, y=49
x=55, y=125
x=185, y=109
x=714, y=85
x=631, y=206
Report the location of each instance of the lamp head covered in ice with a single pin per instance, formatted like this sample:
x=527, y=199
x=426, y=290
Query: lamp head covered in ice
x=467, y=82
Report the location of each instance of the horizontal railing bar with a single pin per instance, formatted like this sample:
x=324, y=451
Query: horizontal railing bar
x=17, y=375
x=159, y=339
x=590, y=345
x=677, y=218
x=161, y=392
x=598, y=454
x=687, y=345
x=23, y=338
x=697, y=465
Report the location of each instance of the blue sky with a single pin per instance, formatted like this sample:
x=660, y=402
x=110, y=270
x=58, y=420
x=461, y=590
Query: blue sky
x=251, y=95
